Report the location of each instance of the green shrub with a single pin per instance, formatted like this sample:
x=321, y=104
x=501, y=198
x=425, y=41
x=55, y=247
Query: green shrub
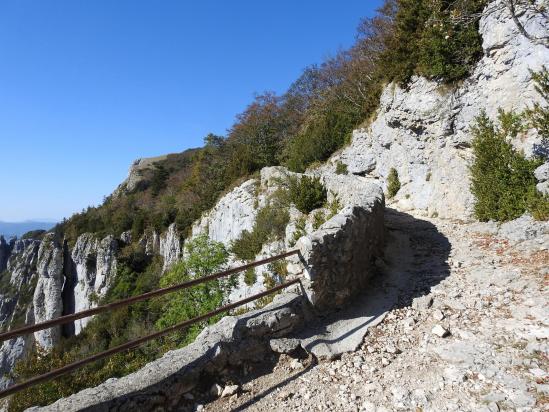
x=393, y=183
x=280, y=268
x=502, y=179
x=449, y=47
x=334, y=206
x=326, y=133
x=270, y=224
x=307, y=193
x=538, y=115
x=250, y=277
x=318, y=219
x=437, y=39
x=204, y=257
x=299, y=230
x=248, y=245
x=341, y=168
x=34, y=234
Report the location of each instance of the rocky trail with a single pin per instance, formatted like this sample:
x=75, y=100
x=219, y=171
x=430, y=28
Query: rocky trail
x=461, y=325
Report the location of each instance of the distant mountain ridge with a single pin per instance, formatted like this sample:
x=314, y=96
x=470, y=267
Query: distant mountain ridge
x=11, y=229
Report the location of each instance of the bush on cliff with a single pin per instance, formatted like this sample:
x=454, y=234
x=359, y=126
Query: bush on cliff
x=307, y=193
x=393, y=183
x=436, y=39
x=270, y=224
x=203, y=257
x=502, y=178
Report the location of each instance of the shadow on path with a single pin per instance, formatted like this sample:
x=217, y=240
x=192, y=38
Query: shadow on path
x=416, y=259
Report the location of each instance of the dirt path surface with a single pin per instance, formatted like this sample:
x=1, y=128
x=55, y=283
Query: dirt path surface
x=467, y=332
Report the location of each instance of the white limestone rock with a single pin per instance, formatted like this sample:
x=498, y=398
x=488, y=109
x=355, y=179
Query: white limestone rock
x=47, y=301
x=170, y=247
x=233, y=213
x=12, y=350
x=22, y=261
x=424, y=131
x=94, y=265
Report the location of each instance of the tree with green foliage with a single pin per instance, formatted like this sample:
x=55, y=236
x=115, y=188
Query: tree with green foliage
x=502, y=179
x=203, y=257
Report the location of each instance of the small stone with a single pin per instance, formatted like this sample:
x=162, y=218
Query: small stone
x=440, y=331
x=392, y=349
x=422, y=302
x=538, y=373
x=285, y=395
x=199, y=408
x=284, y=345
x=229, y=390
x=438, y=315
x=296, y=364
x=385, y=362
x=216, y=390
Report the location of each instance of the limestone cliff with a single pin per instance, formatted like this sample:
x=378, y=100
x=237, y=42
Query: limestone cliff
x=424, y=131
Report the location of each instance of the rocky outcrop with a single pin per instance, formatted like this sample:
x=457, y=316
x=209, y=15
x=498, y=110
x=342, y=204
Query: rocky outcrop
x=170, y=247
x=15, y=305
x=234, y=213
x=424, y=131
x=5, y=250
x=542, y=175
x=12, y=350
x=135, y=174
x=93, y=266
x=22, y=261
x=47, y=300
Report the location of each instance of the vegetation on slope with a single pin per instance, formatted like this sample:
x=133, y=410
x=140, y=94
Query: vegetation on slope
x=304, y=125
x=502, y=178
x=112, y=329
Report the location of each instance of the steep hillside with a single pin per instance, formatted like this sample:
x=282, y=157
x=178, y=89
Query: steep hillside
x=397, y=109
x=423, y=131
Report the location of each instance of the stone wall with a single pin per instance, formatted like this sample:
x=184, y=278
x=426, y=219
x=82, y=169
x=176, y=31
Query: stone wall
x=336, y=261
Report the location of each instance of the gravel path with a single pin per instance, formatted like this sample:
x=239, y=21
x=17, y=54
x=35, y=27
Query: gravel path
x=468, y=333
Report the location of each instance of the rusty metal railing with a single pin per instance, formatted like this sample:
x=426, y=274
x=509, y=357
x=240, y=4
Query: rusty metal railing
x=137, y=342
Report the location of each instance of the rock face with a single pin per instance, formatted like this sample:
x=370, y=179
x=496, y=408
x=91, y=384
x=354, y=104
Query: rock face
x=424, y=132
x=93, y=266
x=47, y=300
x=22, y=260
x=135, y=174
x=234, y=213
x=542, y=175
x=170, y=247
x=5, y=250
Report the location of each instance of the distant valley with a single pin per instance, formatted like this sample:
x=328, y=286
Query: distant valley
x=10, y=229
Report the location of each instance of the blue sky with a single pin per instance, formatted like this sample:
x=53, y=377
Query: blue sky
x=87, y=86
